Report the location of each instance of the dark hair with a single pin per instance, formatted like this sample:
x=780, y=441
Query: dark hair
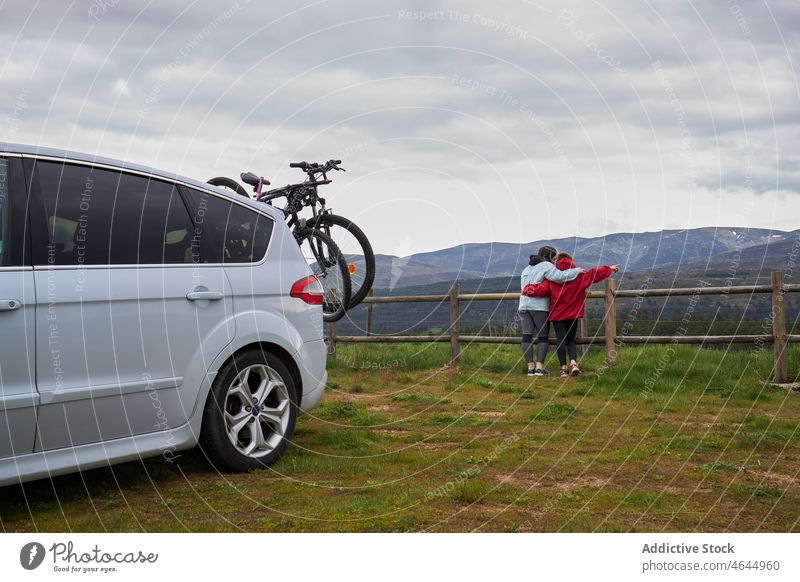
x=563, y=255
x=535, y=260
x=547, y=253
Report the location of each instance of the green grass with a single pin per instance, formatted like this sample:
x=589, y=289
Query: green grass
x=418, y=399
x=554, y=413
x=718, y=466
x=453, y=420
x=471, y=491
x=673, y=438
x=347, y=413
x=768, y=494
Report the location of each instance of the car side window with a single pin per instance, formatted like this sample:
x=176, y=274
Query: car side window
x=4, y=212
x=228, y=232
x=104, y=217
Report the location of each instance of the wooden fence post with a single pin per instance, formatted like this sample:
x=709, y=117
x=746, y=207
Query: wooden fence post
x=611, y=323
x=455, y=327
x=369, y=314
x=332, y=339
x=780, y=372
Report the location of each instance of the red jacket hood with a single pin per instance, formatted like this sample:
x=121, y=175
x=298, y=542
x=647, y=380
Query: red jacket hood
x=564, y=264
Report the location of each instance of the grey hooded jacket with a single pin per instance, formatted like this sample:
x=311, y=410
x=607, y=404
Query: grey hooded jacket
x=536, y=274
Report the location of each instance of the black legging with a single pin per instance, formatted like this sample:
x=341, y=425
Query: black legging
x=565, y=336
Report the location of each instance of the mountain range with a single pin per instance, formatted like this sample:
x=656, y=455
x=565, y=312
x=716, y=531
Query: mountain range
x=711, y=249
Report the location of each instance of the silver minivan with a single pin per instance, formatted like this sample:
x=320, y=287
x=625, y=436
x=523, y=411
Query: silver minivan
x=142, y=313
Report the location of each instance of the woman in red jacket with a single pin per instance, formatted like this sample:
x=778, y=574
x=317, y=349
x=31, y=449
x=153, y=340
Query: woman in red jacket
x=567, y=307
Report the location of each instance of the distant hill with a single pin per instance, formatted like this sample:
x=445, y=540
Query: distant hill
x=647, y=251
x=779, y=253
x=393, y=272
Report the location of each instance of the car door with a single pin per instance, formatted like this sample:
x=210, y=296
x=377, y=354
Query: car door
x=18, y=397
x=238, y=237
x=125, y=304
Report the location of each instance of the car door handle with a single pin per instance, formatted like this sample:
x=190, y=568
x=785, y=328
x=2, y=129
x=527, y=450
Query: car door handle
x=204, y=294
x=10, y=304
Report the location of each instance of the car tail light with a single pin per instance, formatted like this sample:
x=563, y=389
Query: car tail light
x=309, y=289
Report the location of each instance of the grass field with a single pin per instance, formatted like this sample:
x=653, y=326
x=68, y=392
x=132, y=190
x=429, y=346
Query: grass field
x=673, y=438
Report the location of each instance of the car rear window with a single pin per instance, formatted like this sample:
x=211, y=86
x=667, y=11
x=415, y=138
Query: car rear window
x=228, y=232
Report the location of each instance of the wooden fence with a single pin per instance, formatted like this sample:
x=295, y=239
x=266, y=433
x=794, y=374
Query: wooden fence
x=777, y=320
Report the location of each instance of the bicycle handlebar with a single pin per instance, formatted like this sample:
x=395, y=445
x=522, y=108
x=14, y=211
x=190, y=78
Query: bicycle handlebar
x=317, y=168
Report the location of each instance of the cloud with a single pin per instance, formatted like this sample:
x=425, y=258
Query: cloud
x=120, y=87
x=471, y=121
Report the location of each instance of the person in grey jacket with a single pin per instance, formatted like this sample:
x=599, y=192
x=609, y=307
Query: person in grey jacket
x=533, y=311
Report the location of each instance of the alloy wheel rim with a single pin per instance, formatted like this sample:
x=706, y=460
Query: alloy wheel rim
x=257, y=411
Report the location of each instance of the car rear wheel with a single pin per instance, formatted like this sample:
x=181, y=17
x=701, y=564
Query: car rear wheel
x=250, y=413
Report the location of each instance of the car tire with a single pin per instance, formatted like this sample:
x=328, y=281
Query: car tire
x=250, y=413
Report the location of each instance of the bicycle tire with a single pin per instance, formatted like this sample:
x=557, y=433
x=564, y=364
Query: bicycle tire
x=331, y=311
x=329, y=220
x=230, y=184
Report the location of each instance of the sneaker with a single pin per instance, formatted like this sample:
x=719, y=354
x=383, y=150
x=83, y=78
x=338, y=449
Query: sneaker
x=540, y=372
x=531, y=372
x=564, y=373
x=574, y=370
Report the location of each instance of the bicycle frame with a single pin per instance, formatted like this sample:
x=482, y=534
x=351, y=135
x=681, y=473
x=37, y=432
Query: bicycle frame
x=295, y=200
x=299, y=196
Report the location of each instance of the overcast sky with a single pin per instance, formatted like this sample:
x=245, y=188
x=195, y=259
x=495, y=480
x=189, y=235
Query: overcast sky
x=457, y=121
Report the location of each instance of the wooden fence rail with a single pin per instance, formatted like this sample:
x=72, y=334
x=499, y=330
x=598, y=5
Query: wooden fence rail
x=777, y=320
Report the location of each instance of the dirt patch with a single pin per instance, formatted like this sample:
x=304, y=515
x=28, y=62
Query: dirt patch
x=533, y=521
x=777, y=479
x=673, y=490
x=486, y=414
x=686, y=423
x=379, y=408
x=519, y=480
x=391, y=431
x=438, y=445
x=359, y=398
x=587, y=482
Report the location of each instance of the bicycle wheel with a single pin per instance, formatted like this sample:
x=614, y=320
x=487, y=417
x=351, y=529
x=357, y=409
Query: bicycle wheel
x=230, y=184
x=357, y=251
x=327, y=263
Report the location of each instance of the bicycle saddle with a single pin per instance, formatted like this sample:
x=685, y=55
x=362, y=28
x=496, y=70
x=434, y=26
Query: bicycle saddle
x=252, y=179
